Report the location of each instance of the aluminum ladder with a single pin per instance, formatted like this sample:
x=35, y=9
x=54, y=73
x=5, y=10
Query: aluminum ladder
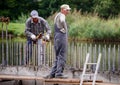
x=94, y=74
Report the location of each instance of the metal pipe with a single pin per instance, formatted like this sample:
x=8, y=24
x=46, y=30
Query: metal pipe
x=2, y=41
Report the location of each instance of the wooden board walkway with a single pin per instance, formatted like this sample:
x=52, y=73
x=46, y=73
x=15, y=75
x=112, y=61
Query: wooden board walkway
x=75, y=81
x=54, y=80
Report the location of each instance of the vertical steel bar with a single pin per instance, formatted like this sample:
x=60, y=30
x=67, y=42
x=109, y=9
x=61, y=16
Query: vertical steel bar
x=113, y=58
x=109, y=61
x=51, y=58
x=17, y=53
x=81, y=57
x=119, y=57
x=105, y=57
x=10, y=50
x=29, y=54
x=35, y=55
x=74, y=56
x=20, y=53
x=53, y=52
x=12, y=47
x=47, y=53
x=3, y=55
x=24, y=54
x=6, y=43
x=90, y=52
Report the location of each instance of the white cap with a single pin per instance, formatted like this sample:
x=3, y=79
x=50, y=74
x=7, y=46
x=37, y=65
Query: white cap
x=34, y=14
x=65, y=6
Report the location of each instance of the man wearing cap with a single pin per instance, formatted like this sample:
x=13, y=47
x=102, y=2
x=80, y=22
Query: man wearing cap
x=60, y=42
x=36, y=26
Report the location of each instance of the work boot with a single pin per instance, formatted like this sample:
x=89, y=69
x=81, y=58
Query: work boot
x=61, y=76
x=49, y=77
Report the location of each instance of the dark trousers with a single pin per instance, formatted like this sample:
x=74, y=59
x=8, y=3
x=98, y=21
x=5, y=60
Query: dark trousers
x=60, y=46
x=28, y=51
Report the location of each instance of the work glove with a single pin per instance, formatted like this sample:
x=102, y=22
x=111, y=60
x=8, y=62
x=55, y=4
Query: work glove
x=46, y=37
x=33, y=37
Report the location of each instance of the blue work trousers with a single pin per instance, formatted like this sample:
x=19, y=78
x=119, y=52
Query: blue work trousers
x=60, y=45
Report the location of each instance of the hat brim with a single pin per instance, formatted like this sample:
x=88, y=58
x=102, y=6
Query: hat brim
x=34, y=16
x=68, y=8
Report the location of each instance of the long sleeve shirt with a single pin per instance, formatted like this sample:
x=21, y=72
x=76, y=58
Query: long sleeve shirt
x=36, y=28
x=60, y=22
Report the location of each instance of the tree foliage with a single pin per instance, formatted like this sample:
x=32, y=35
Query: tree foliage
x=14, y=8
x=107, y=8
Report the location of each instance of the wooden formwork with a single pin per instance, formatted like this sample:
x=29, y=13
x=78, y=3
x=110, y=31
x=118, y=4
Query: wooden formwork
x=53, y=80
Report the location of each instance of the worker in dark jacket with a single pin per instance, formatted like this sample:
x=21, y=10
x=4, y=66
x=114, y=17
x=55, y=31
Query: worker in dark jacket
x=60, y=42
x=35, y=29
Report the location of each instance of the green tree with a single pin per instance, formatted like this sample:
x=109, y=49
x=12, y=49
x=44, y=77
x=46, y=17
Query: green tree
x=107, y=8
x=14, y=8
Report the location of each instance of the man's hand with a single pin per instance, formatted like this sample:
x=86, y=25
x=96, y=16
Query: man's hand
x=46, y=38
x=33, y=37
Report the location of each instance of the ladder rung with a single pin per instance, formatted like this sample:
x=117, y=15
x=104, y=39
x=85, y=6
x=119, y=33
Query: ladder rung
x=89, y=74
x=91, y=63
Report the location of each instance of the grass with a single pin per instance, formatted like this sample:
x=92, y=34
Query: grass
x=90, y=26
x=81, y=26
x=17, y=29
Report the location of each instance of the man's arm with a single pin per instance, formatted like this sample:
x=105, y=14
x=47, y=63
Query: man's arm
x=63, y=23
x=27, y=30
x=47, y=29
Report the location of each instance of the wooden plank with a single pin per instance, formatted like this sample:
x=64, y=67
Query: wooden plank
x=17, y=77
x=73, y=81
x=90, y=83
x=54, y=80
x=68, y=80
